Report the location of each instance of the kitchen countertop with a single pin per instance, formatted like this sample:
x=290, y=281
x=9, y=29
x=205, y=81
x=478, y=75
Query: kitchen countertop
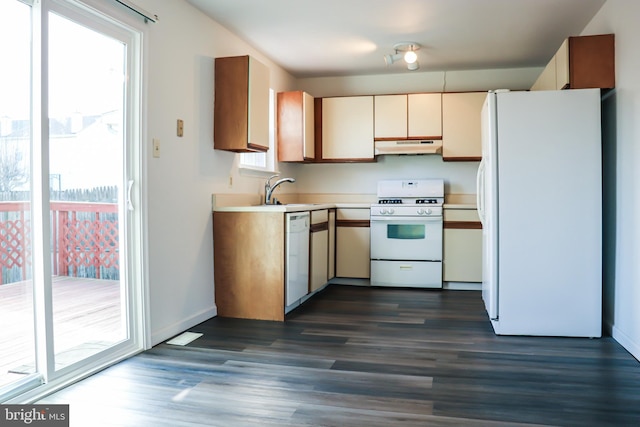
x=460, y=201
x=292, y=207
x=251, y=204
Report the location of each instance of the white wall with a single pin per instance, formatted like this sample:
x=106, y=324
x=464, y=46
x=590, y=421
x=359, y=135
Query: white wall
x=182, y=46
x=621, y=156
x=460, y=177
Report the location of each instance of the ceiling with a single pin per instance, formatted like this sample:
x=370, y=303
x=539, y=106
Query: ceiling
x=314, y=38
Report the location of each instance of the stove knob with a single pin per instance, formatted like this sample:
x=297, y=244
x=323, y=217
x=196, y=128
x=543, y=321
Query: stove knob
x=428, y=211
x=391, y=211
x=421, y=211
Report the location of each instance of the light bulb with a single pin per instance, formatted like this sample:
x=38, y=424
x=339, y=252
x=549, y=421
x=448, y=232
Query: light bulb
x=410, y=57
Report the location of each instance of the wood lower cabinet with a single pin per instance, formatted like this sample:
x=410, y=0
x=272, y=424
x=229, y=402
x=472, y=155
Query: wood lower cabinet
x=462, y=256
x=461, y=126
x=319, y=249
x=352, y=243
x=249, y=262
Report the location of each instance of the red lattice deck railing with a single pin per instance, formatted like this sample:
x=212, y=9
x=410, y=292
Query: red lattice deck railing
x=83, y=235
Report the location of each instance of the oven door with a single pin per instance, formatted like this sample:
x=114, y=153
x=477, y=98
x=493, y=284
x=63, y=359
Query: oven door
x=406, y=238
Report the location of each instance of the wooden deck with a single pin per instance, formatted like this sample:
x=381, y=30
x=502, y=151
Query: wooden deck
x=87, y=318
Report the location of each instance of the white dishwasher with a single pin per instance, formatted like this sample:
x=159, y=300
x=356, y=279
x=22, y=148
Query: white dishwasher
x=296, y=258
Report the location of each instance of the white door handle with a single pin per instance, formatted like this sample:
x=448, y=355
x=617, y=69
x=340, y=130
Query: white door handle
x=129, y=188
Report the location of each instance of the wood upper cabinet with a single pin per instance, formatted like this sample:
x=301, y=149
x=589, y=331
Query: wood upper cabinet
x=241, y=105
x=580, y=63
x=412, y=116
x=295, y=113
x=461, y=130
x=347, y=129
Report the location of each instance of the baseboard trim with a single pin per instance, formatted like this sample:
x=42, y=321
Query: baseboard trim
x=462, y=286
x=177, y=328
x=624, y=340
x=350, y=281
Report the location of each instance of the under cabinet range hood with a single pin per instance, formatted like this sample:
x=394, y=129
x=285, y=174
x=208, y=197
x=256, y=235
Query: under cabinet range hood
x=412, y=146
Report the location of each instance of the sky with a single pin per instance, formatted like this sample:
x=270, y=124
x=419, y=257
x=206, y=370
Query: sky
x=86, y=68
x=15, y=42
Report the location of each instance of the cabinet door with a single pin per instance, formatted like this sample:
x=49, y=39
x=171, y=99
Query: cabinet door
x=425, y=115
x=462, y=254
x=309, y=145
x=318, y=259
x=331, y=267
x=258, y=136
x=561, y=60
x=352, y=243
x=319, y=249
x=390, y=116
x=295, y=126
x=347, y=128
x=461, y=133
x=547, y=79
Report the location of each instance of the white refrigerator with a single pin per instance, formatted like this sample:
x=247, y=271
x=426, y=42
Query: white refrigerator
x=540, y=203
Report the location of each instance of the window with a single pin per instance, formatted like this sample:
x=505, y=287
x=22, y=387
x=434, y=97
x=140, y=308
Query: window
x=259, y=163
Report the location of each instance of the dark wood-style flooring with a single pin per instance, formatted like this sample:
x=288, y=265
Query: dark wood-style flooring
x=356, y=356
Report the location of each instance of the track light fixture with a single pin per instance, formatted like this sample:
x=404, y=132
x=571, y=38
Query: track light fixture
x=406, y=51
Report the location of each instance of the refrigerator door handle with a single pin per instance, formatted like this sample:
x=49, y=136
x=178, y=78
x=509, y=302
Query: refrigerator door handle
x=480, y=192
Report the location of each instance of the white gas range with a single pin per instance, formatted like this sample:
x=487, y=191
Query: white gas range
x=406, y=234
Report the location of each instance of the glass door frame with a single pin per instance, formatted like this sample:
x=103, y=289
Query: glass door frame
x=132, y=210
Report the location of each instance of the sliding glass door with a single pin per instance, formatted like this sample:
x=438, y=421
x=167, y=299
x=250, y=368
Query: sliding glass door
x=17, y=333
x=69, y=229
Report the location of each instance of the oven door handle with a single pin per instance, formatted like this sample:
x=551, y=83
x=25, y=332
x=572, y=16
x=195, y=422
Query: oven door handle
x=422, y=219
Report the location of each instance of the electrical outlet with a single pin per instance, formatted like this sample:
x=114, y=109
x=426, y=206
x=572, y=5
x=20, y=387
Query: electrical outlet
x=156, y=147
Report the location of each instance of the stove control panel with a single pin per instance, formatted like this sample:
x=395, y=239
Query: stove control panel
x=406, y=211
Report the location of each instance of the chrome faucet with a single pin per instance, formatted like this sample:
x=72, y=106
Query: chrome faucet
x=268, y=188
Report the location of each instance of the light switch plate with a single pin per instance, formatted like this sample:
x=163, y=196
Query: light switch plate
x=180, y=127
x=156, y=147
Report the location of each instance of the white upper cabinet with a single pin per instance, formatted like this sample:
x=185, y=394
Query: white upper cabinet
x=461, y=132
x=390, y=116
x=412, y=116
x=425, y=115
x=347, y=128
